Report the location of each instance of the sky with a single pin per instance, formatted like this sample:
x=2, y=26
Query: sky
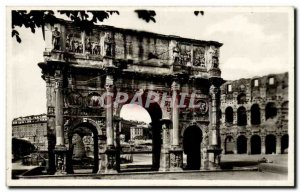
x=255, y=44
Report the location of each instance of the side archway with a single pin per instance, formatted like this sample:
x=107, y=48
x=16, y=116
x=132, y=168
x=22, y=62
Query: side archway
x=241, y=116
x=271, y=110
x=192, y=138
x=270, y=144
x=255, y=114
x=229, y=145
x=284, y=144
x=242, y=99
x=83, y=148
x=255, y=144
x=241, y=144
x=229, y=115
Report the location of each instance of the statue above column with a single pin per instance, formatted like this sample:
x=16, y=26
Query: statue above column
x=56, y=39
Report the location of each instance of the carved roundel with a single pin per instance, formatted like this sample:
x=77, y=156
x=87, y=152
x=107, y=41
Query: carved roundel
x=94, y=100
x=87, y=139
x=202, y=106
x=74, y=99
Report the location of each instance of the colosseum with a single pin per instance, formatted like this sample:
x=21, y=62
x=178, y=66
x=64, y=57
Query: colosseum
x=254, y=115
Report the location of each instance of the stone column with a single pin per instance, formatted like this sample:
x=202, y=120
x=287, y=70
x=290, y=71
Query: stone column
x=109, y=111
x=204, y=149
x=234, y=122
x=248, y=112
x=249, y=145
x=263, y=144
x=110, y=147
x=223, y=145
x=117, y=122
x=102, y=153
x=278, y=144
x=83, y=42
x=235, y=146
x=215, y=143
x=60, y=148
x=263, y=114
x=50, y=93
x=175, y=114
x=214, y=108
x=165, y=155
x=176, y=156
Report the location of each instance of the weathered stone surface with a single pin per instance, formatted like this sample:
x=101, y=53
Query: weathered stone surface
x=112, y=60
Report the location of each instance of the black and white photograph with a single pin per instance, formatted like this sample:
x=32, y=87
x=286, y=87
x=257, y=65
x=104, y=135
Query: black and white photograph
x=150, y=96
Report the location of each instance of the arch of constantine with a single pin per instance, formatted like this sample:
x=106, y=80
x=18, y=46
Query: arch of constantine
x=89, y=77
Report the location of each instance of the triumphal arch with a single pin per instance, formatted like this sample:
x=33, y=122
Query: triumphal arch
x=90, y=76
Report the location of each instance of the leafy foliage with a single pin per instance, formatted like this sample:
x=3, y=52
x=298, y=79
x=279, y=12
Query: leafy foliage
x=32, y=19
x=147, y=15
x=39, y=18
x=197, y=13
x=85, y=20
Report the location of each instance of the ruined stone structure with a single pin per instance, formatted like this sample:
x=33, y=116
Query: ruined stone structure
x=254, y=115
x=79, y=68
x=32, y=128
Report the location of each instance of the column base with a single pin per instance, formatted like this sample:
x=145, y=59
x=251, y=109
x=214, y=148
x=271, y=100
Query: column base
x=60, y=152
x=216, y=151
x=165, y=161
x=111, y=163
x=176, y=159
x=278, y=150
x=205, y=165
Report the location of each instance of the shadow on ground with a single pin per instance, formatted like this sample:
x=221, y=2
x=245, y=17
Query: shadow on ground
x=232, y=164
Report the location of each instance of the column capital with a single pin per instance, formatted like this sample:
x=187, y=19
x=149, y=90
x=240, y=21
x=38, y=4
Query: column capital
x=166, y=122
x=58, y=78
x=175, y=86
x=58, y=84
x=57, y=74
x=214, y=90
x=216, y=81
x=109, y=83
x=111, y=70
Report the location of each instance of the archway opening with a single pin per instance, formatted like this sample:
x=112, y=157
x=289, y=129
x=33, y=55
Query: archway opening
x=83, y=149
x=270, y=144
x=229, y=145
x=140, y=137
x=255, y=115
x=229, y=115
x=242, y=116
x=255, y=144
x=241, y=144
x=271, y=111
x=284, y=144
x=192, y=139
x=242, y=99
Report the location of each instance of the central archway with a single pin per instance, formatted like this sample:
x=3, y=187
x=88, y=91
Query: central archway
x=153, y=132
x=192, y=139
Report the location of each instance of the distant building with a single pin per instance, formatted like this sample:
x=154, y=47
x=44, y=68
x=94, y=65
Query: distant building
x=126, y=128
x=33, y=129
x=254, y=115
x=138, y=132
